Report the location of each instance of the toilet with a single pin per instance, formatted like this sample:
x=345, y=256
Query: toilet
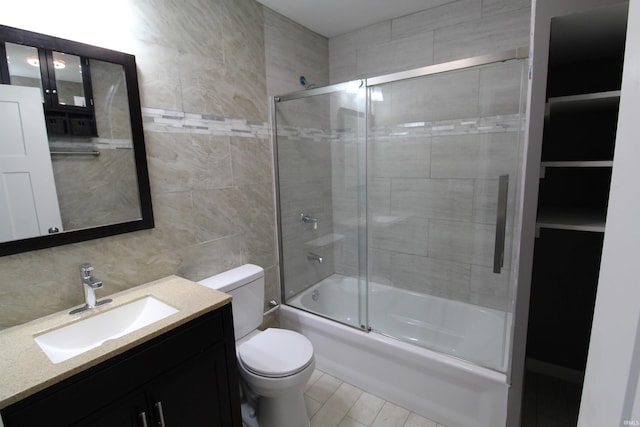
x=275, y=364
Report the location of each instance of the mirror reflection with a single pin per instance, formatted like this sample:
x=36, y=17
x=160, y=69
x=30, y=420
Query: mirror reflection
x=96, y=178
x=73, y=157
x=24, y=66
x=68, y=74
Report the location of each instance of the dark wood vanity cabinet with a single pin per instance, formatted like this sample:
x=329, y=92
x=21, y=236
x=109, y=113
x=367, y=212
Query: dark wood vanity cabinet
x=190, y=395
x=186, y=377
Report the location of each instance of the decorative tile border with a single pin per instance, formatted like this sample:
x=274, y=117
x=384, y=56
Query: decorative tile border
x=167, y=121
x=464, y=126
x=90, y=143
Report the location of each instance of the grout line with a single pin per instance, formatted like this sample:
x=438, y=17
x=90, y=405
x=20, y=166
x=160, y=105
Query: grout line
x=346, y=416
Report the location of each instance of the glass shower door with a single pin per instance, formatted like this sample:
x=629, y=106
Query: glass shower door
x=320, y=154
x=444, y=159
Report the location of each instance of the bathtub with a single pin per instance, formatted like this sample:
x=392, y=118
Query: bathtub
x=439, y=386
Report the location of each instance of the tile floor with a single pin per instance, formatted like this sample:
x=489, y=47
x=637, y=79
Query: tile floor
x=332, y=402
x=550, y=402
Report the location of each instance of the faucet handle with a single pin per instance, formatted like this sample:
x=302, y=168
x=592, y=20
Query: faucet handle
x=86, y=269
x=308, y=219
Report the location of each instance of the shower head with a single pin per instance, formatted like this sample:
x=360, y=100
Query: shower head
x=303, y=82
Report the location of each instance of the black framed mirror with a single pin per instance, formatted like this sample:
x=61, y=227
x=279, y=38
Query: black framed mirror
x=72, y=153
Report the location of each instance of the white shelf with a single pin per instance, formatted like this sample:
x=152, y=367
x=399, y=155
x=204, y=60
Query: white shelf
x=571, y=220
x=579, y=164
x=584, y=102
x=575, y=164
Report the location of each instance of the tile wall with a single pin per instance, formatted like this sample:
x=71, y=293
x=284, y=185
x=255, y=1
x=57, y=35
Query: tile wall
x=211, y=184
x=434, y=164
x=431, y=204
x=291, y=51
x=305, y=158
x=425, y=174
x=453, y=30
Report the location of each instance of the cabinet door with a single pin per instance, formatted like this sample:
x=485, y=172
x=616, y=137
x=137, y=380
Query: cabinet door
x=67, y=75
x=128, y=411
x=194, y=394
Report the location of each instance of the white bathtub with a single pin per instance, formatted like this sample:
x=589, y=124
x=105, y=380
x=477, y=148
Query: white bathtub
x=446, y=389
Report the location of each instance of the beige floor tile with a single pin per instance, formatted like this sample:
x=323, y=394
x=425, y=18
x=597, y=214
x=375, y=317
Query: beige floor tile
x=323, y=388
x=416, y=420
x=350, y=422
x=391, y=416
x=314, y=377
x=334, y=403
x=312, y=406
x=332, y=412
x=366, y=408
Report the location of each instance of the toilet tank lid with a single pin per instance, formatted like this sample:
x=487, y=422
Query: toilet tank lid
x=231, y=279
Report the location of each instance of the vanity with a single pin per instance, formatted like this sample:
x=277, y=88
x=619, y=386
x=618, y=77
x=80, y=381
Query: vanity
x=177, y=371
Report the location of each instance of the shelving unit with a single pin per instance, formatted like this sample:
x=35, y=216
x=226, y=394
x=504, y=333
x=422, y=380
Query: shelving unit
x=584, y=102
x=574, y=163
x=571, y=220
x=583, y=96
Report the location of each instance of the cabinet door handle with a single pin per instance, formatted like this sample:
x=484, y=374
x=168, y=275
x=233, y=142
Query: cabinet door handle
x=160, y=414
x=501, y=223
x=143, y=419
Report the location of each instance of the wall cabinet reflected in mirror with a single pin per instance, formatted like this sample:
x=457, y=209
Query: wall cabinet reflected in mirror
x=90, y=131
x=65, y=83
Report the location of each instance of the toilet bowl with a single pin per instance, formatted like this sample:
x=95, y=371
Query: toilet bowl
x=274, y=364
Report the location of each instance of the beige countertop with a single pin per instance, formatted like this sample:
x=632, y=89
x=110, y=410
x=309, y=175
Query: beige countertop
x=25, y=369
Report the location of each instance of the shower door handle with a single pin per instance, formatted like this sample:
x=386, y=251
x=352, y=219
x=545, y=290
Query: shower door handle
x=501, y=223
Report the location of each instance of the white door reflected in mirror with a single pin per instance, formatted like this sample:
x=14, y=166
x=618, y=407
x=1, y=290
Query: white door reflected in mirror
x=25, y=167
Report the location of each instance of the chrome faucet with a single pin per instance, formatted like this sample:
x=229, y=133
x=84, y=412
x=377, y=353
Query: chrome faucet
x=306, y=219
x=314, y=257
x=89, y=286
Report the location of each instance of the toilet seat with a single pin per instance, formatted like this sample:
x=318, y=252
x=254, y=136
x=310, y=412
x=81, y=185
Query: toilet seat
x=276, y=353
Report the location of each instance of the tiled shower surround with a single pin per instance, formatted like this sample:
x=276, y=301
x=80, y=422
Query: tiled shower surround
x=422, y=190
x=436, y=150
x=430, y=204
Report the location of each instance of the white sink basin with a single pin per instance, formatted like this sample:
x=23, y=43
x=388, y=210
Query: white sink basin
x=74, y=339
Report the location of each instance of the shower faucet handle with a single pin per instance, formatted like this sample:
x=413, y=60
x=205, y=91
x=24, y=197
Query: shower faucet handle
x=306, y=219
x=314, y=257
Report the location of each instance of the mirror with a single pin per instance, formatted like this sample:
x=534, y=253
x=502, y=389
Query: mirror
x=91, y=143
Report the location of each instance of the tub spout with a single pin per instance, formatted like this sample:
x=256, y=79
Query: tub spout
x=314, y=257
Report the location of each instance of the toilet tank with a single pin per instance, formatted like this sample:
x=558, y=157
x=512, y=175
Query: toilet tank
x=246, y=285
